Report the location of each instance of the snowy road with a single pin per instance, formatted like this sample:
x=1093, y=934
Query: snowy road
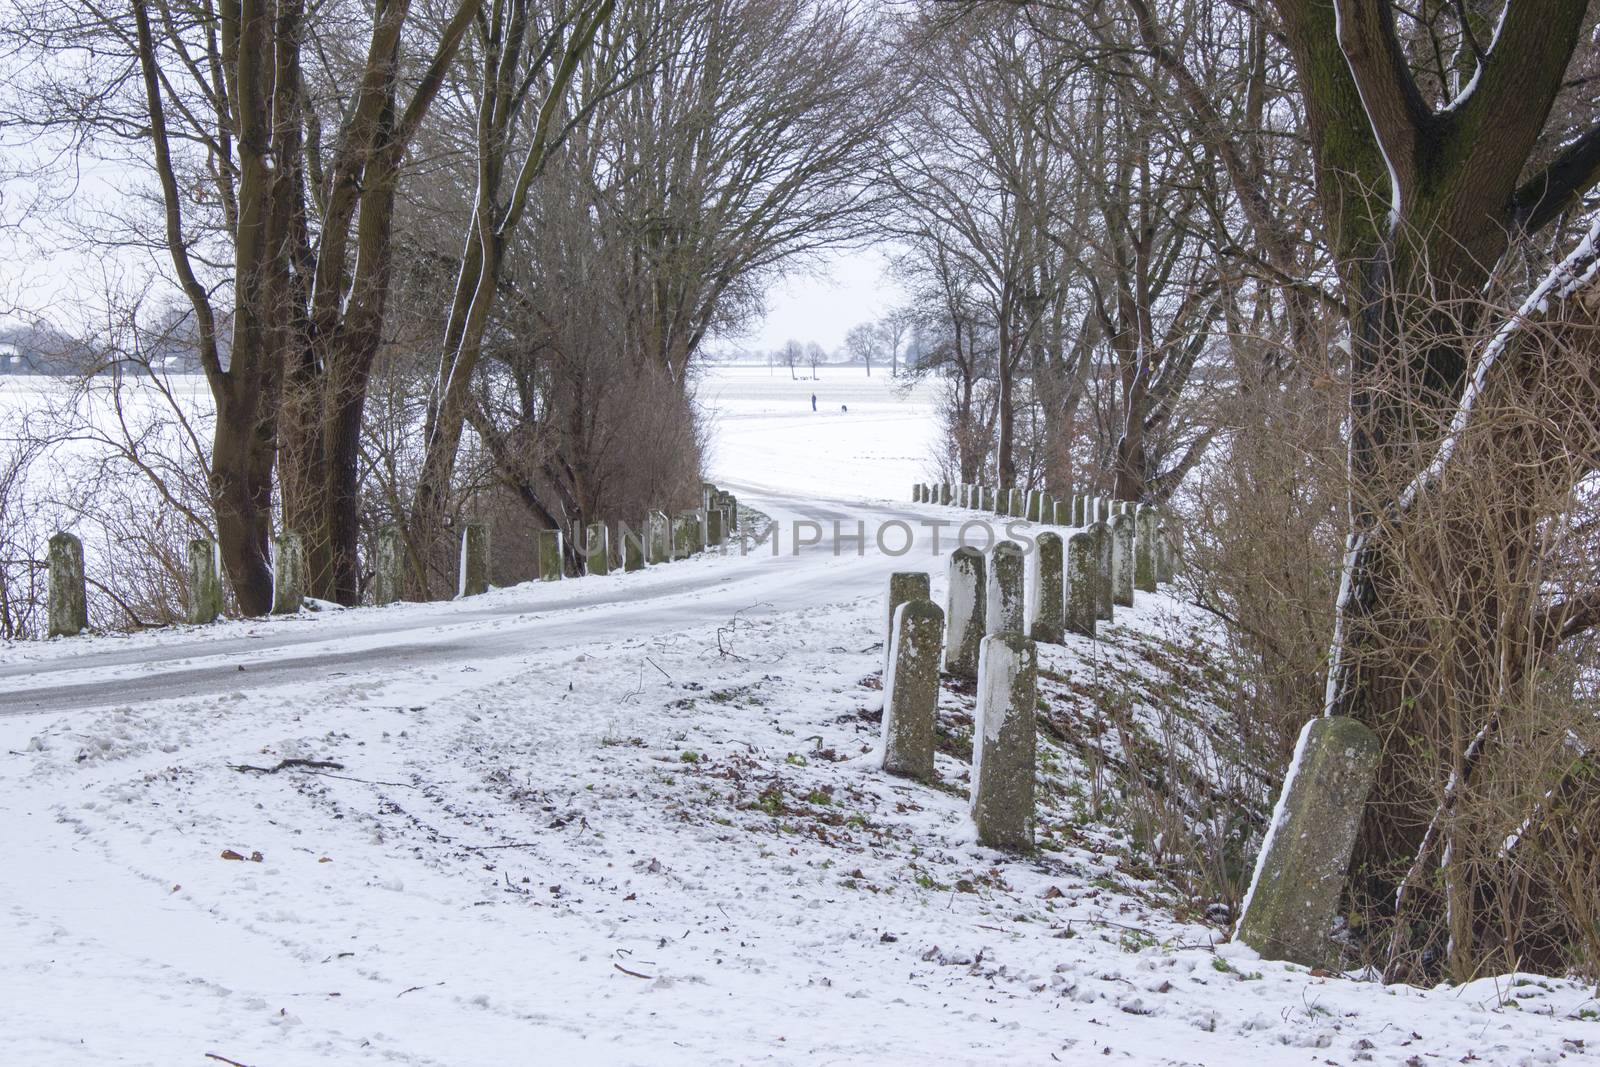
x=515, y=622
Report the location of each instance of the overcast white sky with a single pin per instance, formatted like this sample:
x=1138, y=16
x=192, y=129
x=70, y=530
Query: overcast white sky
x=844, y=288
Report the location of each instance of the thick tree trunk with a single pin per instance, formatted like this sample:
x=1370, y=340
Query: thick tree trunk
x=241, y=493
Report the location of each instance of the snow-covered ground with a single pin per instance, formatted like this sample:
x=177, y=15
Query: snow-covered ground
x=869, y=436
x=626, y=820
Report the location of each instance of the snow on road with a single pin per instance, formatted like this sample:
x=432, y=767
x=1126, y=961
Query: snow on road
x=621, y=820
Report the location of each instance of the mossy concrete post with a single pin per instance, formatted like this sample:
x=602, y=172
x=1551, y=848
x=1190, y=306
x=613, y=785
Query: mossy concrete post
x=473, y=574
x=552, y=556
x=1003, y=742
x=903, y=586
x=1004, y=605
x=1103, y=509
x=388, y=565
x=916, y=493
x=660, y=544
x=716, y=531
x=732, y=525
x=944, y=493
x=288, y=573
x=1081, y=603
x=597, y=548
x=994, y=500
x=1035, y=504
x=632, y=548
x=1122, y=559
x=205, y=581
x=1145, y=534
x=911, y=689
x=1078, y=507
x=68, y=606
x=1169, y=547
x=1102, y=571
x=1062, y=513
x=964, y=494
x=688, y=535
x=1300, y=872
x=1046, y=598
x=1019, y=504
x=730, y=522
x=966, y=593
x=708, y=492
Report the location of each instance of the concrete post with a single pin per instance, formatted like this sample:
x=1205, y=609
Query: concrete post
x=903, y=586
x=1019, y=506
x=1145, y=535
x=911, y=689
x=1003, y=742
x=1003, y=603
x=1102, y=571
x=288, y=573
x=660, y=546
x=687, y=535
x=1169, y=545
x=1081, y=609
x=944, y=493
x=68, y=603
x=597, y=549
x=916, y=493
x=1122, y=559
x=715, y=534
x=1046, y=599
x=632, y=548
x=205, y=581
x=1300, y=873
x=552, y=556
x=1034, y=505
x=1078, y=508
x=965, y=596
x=1061, y=513
x=1103, y=509
x=473, y=574
x=388, y=565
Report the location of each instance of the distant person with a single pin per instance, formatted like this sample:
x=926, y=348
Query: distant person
x=845, y=408
x=813, y=401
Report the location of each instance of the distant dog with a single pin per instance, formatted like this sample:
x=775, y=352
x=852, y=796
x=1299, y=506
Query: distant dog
x=845, y=408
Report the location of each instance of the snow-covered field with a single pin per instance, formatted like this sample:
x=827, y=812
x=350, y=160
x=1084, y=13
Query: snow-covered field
x=632, y=819
x=765, y=435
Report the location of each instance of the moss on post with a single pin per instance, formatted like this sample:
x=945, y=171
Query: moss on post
x=903, y=586
x=1003, y=603
x=1081, y=604
x=388, y=565
x=68, y=600
x=632, y=548
x=1145, y=534
x=911, y=689
x=966, y=591
x=1046, y=599
x=1003, y=742
x=1122, y=559
x=552, y=556
x=597, y=549
x=288, y=573
x=205, y=581
x=1300, y=872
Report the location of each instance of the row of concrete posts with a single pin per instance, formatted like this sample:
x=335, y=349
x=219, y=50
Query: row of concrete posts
x=998, y=606
x=1301, y=869
x=660, y=540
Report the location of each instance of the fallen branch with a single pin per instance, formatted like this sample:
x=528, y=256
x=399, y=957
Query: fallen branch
x=224, y=1059
x=290, y=764
x=632, y=974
